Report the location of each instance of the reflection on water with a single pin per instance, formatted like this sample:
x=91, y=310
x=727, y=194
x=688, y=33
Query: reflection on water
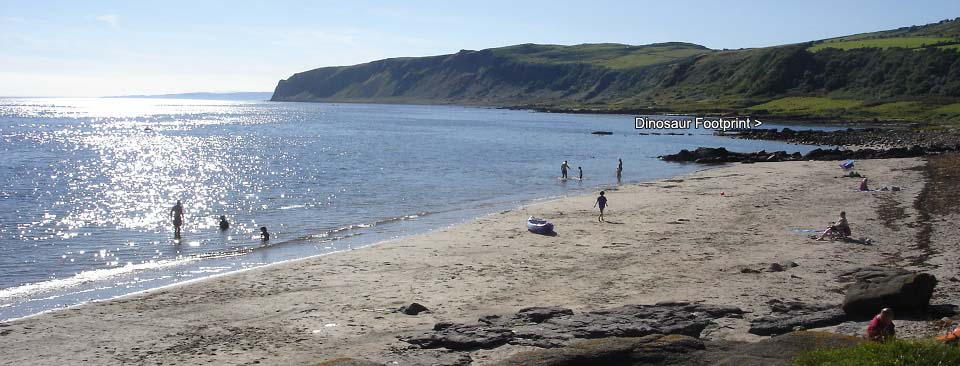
x=86, y=185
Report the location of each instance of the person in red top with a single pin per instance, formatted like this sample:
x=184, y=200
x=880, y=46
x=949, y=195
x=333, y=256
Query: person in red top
x=881, y=327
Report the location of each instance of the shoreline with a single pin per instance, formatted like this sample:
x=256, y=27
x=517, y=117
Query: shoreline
x=491, y=265
x=497, y=207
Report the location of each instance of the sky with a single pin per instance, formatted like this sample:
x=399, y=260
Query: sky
x=101, y=48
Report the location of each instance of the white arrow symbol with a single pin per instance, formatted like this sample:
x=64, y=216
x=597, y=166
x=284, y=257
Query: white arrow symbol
x=758, y=123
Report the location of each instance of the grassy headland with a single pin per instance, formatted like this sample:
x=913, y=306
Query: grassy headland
x=907, y=74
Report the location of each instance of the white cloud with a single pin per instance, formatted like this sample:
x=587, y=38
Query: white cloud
x=110, y=19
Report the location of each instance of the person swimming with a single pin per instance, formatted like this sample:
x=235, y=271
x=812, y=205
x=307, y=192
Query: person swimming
x=224, y=224
x=177, y=214
x=264, y=235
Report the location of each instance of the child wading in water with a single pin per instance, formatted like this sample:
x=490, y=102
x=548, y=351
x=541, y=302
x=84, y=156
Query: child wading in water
x=601, y=202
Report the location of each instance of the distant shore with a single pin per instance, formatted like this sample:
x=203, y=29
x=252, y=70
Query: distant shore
x=341, y=305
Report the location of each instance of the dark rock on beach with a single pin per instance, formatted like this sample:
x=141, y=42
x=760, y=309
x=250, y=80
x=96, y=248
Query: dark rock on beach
x=707, y=155
x=879, y=137
x=653, y=349
x=348, y=362
x=680, y=350
x=540, y=314
x=791, y=316
x=554, y=327
x=876, y=288
x=413, y=309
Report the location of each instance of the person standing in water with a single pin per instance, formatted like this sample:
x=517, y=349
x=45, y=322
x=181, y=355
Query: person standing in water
x=579, y=173
x=619, y=168
x=602, y=203
x=264, y=235
x=176, y=213
x=563, y=169
x=224, y=224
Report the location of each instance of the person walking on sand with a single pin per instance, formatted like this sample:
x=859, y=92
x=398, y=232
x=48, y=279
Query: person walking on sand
x=881, y=328
x=563, y=169
x=602, y=203
x=579, y=173
x=619, y=168
x=176, y=213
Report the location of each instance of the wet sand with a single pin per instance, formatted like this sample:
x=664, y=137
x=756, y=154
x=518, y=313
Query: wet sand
x=674, y=239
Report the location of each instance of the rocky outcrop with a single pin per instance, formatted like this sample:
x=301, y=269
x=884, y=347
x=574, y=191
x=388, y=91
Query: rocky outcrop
x=555, y=327
x=851, y=136
x=876, y=288
x=791, y=316
x=708, y=155
x=652, y=349
x=348, y=362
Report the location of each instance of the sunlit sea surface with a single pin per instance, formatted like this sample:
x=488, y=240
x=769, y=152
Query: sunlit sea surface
x=86, y=185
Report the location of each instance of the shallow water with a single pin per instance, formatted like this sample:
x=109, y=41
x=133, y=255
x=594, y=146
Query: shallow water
x=86, y=185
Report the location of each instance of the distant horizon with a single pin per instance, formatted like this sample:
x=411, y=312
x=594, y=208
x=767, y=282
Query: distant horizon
x=134, y=95
x=116, y=48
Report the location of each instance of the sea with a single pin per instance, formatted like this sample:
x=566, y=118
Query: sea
x=87, y=184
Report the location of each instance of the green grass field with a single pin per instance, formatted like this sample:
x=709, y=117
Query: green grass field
x=895, y=353
x=808, y=105
x=612, y=55
x=902, y=42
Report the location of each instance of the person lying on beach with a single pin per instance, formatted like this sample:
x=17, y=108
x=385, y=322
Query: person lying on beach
x=601, y=202
x=950, y=338
x=881, y=328
x=840, y=229
x=224, y=224
x=863, y=185
x=264, y=235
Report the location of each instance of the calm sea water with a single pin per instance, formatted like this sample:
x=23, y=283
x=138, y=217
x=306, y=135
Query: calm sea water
x=86, y=185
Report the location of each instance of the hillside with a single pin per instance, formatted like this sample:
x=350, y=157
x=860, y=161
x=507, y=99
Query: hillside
x=911, y=73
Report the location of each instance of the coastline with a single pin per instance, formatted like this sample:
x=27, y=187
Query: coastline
x=340, y=305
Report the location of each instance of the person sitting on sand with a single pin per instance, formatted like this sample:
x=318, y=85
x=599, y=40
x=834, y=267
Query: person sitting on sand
x=264, y=235
x=563, y=169
x=863, y=185
x=224, y=224
x=601, y=202
x=841, y=227
x=881, y=328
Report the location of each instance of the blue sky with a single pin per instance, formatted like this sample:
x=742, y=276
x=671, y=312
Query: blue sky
x=95, y=48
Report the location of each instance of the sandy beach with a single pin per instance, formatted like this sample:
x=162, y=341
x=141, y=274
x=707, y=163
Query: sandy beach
x=673, y=239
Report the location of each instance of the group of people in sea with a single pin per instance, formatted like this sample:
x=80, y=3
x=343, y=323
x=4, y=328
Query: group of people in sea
x=176, y=214
x=566, y=166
